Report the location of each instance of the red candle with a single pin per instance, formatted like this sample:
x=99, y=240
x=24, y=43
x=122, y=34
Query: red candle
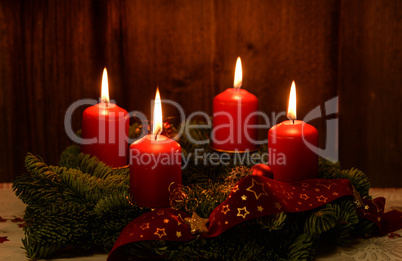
x=155, y=165
x=107, y=125
x=234, y=114
x=287, y=141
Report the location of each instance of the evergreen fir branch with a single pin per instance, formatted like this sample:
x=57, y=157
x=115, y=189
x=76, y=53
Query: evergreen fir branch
x=345, y=212
x=273, y=222
x=59, y=222
x=364, y=228
x=359, y=180
x=92, y=165
x=320, y=221
x=146, y=249
x=84, y=186
x=67, y=157
x=302, y=248
x=346, y=219
x=112, y=202
x=85, y=202
x=106, y=226
x=41, y=186
x=35, y=250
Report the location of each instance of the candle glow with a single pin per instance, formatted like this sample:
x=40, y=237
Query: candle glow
x=105, y=88
x=107, y=125
x=292, y=103
x=238, y=78
x=155, y=164
x=157, y=115
x=290, y=138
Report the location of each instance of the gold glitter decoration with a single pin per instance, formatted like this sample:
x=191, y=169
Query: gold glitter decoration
x=197, y=224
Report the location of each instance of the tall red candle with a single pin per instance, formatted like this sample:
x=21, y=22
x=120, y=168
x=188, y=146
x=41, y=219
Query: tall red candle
x=234, y=114
x=108, y=125
x=155, y=165
x=287, y=141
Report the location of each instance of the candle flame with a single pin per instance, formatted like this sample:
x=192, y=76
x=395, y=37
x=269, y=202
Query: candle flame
x=105, y=88
x=292, y=103
x=157, y=117
x=238, y=78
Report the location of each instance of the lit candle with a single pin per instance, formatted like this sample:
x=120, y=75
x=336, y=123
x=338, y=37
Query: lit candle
x=289, y=139
x=233, y=118
x=155, y=165
x=108, y=125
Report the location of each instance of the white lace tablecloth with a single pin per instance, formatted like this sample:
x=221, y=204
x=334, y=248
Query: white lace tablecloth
x=378, y=248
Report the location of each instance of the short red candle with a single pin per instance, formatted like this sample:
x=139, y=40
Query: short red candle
x=298, y=161
x=155, y=165
x=234, y=113
x=292, y=159
x=155, y=170
x=108, y=124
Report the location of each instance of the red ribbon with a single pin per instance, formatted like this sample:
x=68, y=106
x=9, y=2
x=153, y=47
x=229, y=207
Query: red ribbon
x=373, y=210
x=252, y=197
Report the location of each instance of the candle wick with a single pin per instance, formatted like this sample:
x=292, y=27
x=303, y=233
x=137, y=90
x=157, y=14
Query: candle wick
x=105, y=102
x=293, y=121
x=157, y=133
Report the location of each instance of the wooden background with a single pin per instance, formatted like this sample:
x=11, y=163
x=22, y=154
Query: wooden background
x=52, y=53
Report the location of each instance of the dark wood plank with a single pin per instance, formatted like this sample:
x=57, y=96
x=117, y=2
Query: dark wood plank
x=370, y=89
x=54, y=63
x=9, y=147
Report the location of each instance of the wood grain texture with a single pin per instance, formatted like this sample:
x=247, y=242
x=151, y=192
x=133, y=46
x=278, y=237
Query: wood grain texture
x=52, y=54
x=370, y=89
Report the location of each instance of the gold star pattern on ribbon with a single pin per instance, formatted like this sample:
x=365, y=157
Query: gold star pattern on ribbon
x=240, y=210
x=160, y=232
x=235, y=188
x=257, y=189
x=245, y=202
x=144, y=226
x=225, y=209
x=304, y=196
x=197, y=224
x=322, y=199
x=288, y=195
x=177, y=218
x=326, y=186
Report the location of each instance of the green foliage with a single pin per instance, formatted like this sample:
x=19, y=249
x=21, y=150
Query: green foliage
x=320, y=221
x=84, y=203
x=359, y=180
x=302, y=248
